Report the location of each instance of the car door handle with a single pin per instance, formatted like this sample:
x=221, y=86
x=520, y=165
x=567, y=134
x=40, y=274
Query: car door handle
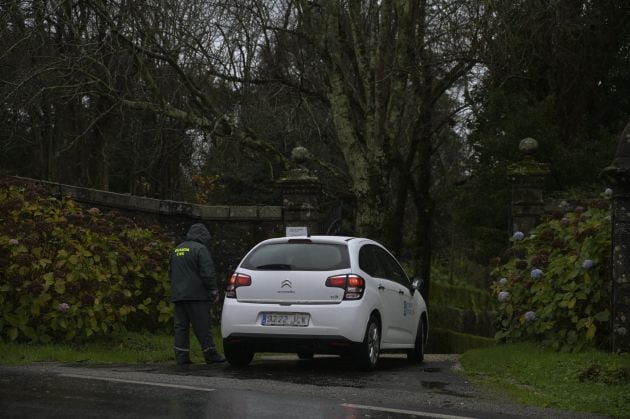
x=380, y=287
x=401, y=292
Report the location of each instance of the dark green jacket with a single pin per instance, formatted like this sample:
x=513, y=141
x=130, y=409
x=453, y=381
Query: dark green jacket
x=191, y=270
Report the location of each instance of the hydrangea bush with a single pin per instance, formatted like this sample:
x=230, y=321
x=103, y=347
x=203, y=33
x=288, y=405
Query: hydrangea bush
x=555, y=288
x=68, y=273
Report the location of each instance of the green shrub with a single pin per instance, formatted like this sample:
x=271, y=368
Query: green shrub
x=556, y=286
x=67, y=273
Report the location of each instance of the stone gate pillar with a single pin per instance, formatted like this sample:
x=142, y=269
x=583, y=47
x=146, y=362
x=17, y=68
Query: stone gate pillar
x=301, y=193
x=617, y=176
x=527, y=177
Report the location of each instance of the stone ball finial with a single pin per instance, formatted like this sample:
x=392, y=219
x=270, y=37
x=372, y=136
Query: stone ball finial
x=299, y=155
x=528, y=145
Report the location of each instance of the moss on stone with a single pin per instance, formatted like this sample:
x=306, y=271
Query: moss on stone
x=478, y=322
x=461, y=317
x=445, y=341
x=460, y=296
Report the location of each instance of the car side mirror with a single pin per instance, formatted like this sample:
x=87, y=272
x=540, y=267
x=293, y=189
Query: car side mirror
x=416, y=283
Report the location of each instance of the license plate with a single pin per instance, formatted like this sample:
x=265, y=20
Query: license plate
x=285, y=319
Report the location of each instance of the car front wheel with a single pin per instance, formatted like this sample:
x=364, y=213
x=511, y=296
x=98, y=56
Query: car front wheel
x=417, y=353
x=370, y=349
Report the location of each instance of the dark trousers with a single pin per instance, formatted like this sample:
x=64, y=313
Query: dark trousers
x=198, y=314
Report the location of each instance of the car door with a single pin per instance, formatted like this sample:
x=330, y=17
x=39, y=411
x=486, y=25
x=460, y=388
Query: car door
x=370, y=263
x=402, y=305
x=373, y=261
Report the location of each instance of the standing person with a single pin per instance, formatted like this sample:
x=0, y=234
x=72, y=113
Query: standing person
x=194, y=289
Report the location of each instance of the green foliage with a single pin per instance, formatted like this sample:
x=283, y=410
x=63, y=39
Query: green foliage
x=556, y=287
x=68, y=274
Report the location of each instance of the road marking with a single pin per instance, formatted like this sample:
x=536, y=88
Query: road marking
x=147, y=383
x=404, y=412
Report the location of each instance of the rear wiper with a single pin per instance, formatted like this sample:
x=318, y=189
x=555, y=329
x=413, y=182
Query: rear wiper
x=280, y=266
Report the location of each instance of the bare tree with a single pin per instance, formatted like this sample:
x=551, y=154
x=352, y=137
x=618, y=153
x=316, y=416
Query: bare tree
x=66, y=78
x=388, y=65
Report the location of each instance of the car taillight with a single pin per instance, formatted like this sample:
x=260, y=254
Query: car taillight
x=353, y=285
x=237, y=280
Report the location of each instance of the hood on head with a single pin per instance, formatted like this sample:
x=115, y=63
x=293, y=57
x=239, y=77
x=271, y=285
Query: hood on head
x=199, y=233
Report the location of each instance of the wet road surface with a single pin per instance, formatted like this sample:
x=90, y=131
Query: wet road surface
x=271, y=387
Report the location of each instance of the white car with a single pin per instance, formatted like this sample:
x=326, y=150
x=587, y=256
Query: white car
x=322, y=294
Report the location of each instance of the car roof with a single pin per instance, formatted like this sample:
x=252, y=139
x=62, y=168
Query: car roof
x=315, y=239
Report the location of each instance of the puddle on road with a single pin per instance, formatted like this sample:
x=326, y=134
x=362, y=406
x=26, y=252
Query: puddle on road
x=433, y=385
x=316, y=378
x=441, y=388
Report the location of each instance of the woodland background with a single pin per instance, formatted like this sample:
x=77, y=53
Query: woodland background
x=411, y=110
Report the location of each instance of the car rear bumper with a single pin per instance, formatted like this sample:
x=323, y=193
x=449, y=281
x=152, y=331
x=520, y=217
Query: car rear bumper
x=337, y=345
x=345, y=321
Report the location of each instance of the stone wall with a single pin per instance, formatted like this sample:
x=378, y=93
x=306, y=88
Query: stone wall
x=234, y=229
x=460, y=318
x=146, y=205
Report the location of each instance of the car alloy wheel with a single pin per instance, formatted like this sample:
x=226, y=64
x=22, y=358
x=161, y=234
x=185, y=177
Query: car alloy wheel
x=371, y=347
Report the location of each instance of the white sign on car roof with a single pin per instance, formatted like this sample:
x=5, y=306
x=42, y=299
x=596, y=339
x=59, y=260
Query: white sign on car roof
x=296, y=231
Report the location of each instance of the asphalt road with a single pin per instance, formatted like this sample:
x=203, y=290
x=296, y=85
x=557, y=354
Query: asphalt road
x=271, y=387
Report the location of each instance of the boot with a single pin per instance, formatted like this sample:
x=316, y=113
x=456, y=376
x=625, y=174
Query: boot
x=214, y=358
x=182, y=357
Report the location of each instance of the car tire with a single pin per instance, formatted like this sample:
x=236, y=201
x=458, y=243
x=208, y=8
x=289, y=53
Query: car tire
x=237, y=356
x=305, y=355
x=416, y=355
x=370, y=348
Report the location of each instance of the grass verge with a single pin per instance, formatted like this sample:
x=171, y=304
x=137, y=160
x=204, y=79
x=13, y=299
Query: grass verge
x=120, y=348
x=590, y=381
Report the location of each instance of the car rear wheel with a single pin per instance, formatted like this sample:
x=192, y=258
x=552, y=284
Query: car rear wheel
x=370, y=349
x=417, y=353
x=237, y=356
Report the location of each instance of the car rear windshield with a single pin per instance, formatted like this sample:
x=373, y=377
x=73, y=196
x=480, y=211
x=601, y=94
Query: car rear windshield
x=298, y=257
